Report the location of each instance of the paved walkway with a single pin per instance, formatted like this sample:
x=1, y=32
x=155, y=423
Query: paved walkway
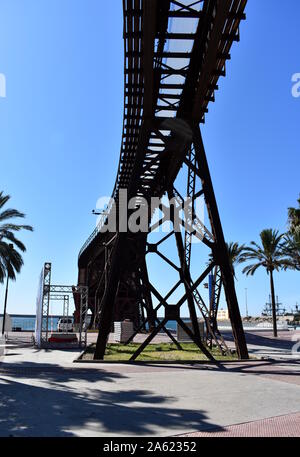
x=42, y=393
x=262, y=344
x=287, y=426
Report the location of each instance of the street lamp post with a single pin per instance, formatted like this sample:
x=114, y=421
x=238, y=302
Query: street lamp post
x=5, y=301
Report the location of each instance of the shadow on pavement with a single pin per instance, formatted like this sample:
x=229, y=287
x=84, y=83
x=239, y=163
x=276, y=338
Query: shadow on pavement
x=264, y=341
x=54, y=401
x=279, y=368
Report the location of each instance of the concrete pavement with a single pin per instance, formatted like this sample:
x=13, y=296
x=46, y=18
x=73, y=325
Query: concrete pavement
x=42, y=393
x=262, y=344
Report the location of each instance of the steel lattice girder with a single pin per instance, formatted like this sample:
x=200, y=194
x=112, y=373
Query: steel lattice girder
x=147, y=77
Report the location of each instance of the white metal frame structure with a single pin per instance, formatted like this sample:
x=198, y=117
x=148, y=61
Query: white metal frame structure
x=48, y=292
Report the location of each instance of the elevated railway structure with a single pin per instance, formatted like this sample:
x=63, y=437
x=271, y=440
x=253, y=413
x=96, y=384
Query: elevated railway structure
x=175, y=53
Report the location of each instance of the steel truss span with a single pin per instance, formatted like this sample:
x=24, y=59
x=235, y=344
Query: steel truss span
x=175, y=53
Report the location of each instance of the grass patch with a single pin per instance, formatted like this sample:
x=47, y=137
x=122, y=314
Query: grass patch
x=166, y=352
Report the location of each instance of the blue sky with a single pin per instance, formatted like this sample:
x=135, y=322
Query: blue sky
x=60, y=131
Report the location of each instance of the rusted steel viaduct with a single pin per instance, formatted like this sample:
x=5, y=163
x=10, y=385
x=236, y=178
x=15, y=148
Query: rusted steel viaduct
x=175, y=53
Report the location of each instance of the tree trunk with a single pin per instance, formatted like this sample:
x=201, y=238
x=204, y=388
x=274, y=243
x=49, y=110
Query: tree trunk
x=273, y=305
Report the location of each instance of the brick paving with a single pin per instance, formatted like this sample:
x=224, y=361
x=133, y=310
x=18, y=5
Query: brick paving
x=282, y=426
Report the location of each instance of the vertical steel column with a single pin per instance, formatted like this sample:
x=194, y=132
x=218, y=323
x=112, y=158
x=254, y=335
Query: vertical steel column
x=191, y=188
x=184, y=273
x=151, y=315
x=84, y=297
x=108, y=300
x=66, y=311
x=46, y=302
x=220, y=250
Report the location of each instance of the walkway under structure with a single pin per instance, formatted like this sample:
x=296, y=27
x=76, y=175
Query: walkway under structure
x=175, y=53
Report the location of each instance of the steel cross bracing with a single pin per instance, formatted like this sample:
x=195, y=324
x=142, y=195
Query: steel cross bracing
x=210, y=316
x=196, y=228
x=191, y=190
x=175, y=52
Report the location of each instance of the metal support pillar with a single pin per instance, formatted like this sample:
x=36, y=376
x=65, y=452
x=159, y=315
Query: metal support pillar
x=184, y=273
x=108, y=302
x=46, y=303
x=220, y=251
x=84, y=306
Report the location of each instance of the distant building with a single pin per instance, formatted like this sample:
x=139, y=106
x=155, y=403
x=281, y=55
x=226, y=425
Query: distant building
x=223, y=315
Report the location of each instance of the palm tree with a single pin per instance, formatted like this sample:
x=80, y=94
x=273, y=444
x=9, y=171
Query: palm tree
x=11, y=260
x=291, y=245
x=235, y=252
x=269, y=255
x=294, y=219
x=291, y=248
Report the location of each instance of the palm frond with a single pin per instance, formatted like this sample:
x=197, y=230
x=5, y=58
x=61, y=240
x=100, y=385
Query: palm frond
x=3, y=199
x=251, y=269
x=16, y=227
x=291, y=249
x=11, y=237
x=269, y=254
x=11, y=214
x=11, y=260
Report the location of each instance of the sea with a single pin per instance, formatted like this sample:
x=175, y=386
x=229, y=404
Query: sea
x=26, y=323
